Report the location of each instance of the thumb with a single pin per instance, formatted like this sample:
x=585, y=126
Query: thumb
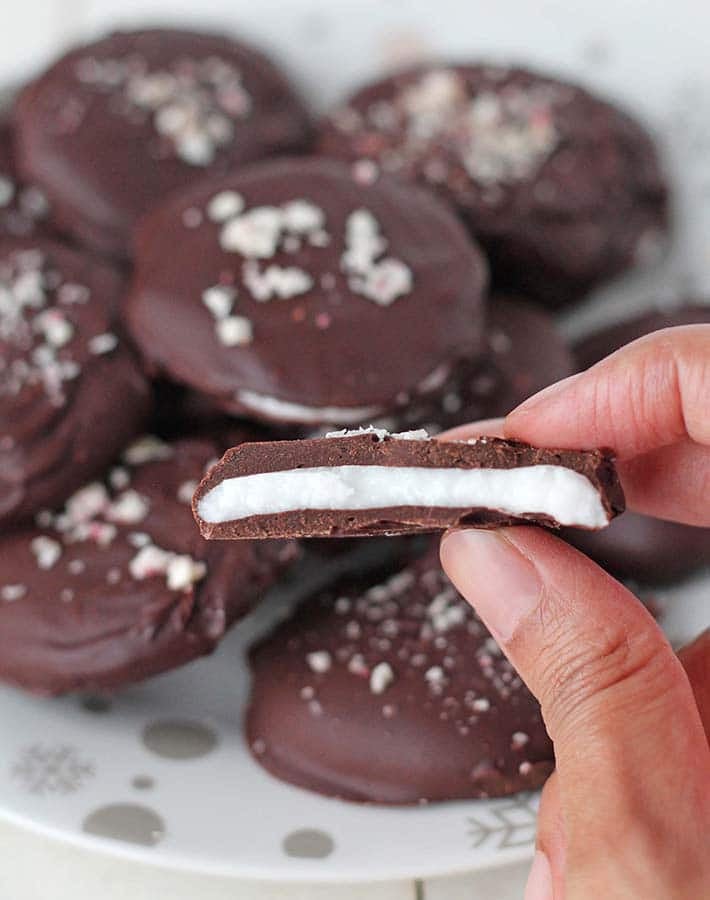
x=695, y=658
x=629, y=743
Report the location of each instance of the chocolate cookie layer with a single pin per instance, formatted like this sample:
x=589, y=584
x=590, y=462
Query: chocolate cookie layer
x=71, y=393
x=119, y=586
x=23, y=207
x=114, y=126
x=640, y=547
x=303, y=296
x=563, y=189
x=369, y=482
x=394, y=692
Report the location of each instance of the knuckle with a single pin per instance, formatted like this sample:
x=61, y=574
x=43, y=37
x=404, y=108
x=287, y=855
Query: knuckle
x=601, y=407
x=623, y=401
x=607, y=665
x=655, y=377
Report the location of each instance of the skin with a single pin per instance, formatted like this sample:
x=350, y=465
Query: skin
x=627, y=812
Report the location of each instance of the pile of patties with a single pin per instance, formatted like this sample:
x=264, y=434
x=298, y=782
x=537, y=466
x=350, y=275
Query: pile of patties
x=190, y=261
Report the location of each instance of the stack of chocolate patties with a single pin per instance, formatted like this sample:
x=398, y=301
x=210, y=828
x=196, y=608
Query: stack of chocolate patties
x=172, y=262
x=104, y=579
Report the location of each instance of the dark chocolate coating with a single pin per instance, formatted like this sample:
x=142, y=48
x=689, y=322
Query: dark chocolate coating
x=88, y=620
x=325, y=343
x=563, y=189
x=452, y=720
x=525, y=346
x=112, y=127
x=180, y=412
x=524, y=352
x=594, y=347
x=640, y=547
x=71, y=393
x=369, y=449
x=23, y=207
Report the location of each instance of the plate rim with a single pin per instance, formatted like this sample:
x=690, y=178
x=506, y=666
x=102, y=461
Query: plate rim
x=301, y=874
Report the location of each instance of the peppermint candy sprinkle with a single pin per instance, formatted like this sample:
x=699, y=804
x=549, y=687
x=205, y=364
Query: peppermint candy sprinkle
x=381, y=280
x=46, y=551
x=319, y=661
x=43, y=345
x=234, y=331
x=259, y=233
x=381, y=678
x=180, y=570
x=193, y=104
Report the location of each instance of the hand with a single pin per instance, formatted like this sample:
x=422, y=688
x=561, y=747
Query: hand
x=627, y=812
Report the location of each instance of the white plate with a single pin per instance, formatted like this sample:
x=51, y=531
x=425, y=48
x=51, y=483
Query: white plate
x=101, y=777
x=162, y=773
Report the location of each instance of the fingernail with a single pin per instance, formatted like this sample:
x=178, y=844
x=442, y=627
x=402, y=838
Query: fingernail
x=491, y=427
x=497, y=580
x=547, y=394
x=539, y=886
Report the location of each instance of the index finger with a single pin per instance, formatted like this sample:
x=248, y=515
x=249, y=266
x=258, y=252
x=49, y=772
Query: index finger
x=650, y=394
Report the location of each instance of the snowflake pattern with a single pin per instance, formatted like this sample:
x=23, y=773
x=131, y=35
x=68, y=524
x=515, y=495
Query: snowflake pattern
x=510, y=824
x=52, y=770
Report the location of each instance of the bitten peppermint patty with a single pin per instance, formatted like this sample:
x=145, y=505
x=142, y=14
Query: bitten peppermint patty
x=118, y=585
x=71, y=393
x=302, y=295
x=563, y=189
x=393, y=692
x=112, y=127
x=368, y=482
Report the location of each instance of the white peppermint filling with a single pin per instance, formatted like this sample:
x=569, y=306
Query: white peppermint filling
x=545, y=490
x=295, y=412
x=285, y=411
